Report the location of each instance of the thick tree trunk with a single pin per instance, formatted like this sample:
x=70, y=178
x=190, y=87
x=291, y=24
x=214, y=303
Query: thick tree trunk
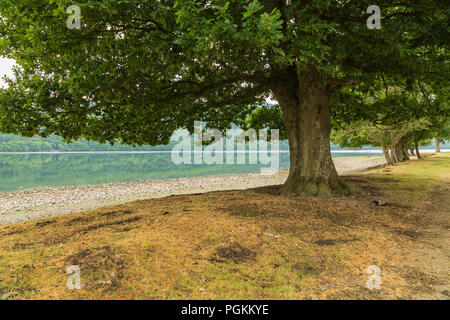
x=397, y=150
x=393, y=147
x=394, y=153
x=307, y=122
x=386, y=154
x=437, y=142
x=404, y=151
x=417, y=150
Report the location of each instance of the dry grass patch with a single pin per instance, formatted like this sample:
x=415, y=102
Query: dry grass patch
x=251, y=244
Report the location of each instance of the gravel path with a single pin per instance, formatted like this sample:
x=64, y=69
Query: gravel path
x=42, y=203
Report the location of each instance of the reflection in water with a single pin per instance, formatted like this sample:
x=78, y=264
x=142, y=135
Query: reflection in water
x=39, y=170
x=24, y=171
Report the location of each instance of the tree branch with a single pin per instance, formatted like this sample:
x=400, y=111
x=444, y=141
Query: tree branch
x=337, y=82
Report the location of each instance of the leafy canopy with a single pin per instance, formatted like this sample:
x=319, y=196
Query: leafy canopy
x=139, y=69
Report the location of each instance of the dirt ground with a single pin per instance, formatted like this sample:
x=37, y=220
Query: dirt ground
x=246, y=244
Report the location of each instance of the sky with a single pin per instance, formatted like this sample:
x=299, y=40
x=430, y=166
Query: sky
x=6, y=66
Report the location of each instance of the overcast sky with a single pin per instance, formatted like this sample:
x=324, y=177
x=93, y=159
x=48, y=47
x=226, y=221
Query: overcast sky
x=5, y=69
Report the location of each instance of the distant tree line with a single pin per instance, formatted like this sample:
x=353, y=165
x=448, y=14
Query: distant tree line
x=13, y=143
x=398, y=118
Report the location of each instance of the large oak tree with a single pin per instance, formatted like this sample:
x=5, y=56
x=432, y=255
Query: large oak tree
x=139, y=69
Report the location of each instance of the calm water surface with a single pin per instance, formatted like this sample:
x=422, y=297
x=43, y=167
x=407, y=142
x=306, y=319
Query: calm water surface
x=25, y=171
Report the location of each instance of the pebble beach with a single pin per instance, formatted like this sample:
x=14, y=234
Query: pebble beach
x=34, y=204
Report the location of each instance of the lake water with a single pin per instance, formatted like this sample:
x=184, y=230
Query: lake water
x=25, y=171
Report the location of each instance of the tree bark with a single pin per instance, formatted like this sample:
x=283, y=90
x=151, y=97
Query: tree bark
x=393, y=147
x=404, y=151
x=386, y=154
x=397, y=150
x=437, y=142
x=306, y=117
x=394, y=153
x=417, y=149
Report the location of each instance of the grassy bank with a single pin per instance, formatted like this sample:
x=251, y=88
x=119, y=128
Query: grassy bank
x=249, y=244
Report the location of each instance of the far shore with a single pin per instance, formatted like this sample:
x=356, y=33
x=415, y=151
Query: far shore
x=371, y=151
x=42, y=203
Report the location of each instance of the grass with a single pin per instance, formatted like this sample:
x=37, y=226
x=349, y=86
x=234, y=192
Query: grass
x=251, y=244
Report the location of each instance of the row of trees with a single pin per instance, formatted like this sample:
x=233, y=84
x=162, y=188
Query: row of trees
x=139, y=69
x=397, y=142
x=398, y=119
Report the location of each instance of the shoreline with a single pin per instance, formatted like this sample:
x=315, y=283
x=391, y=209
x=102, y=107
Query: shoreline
x=40, y=203
x=370, y=151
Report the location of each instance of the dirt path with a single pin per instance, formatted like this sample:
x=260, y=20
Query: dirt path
x=431, y=255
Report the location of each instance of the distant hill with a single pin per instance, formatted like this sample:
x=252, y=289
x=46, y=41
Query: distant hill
x=13, y=143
